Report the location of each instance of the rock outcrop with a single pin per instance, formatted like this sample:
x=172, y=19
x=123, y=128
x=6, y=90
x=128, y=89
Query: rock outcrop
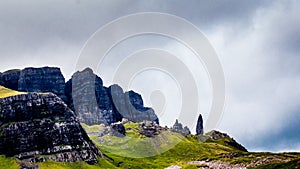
x=84, y=93
x=10, y=79
x=45, y=79
x=90, y=99
x=1, y=80
x=199, y=127
x=37, y=127
x=150, y=128
x=97, y=104
x=178, y=128
x=216, y=135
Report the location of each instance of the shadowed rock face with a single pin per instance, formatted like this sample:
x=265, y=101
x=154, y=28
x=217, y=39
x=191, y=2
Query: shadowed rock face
x=46, y=79
x=1, y=80
x=35, y=127
x=97, y=104
x=84, y=93
x=199, y=127
x=178, y=128
x=11, y=78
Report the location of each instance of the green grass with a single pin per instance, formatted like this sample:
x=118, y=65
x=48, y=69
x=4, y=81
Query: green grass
x=91, y=129
x=75, y=165
x=8, y=163
x=5, y=92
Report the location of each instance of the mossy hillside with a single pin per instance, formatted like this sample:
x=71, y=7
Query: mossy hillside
x=9, y=163
x=92, y=129
x=164, y=150
x=188, y=149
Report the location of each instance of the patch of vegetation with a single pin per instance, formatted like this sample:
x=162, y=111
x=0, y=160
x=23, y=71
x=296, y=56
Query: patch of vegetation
x=75, y=165
x=93, y=128
x=5, y=92
x=8, y=163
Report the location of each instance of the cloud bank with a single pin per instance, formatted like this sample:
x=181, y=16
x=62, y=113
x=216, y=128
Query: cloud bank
x=257, y=43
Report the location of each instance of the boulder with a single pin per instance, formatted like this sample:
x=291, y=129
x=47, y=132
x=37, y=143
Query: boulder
x=150, y=128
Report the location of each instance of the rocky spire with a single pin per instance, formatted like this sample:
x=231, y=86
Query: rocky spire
x=199, y=127
x=177, y=127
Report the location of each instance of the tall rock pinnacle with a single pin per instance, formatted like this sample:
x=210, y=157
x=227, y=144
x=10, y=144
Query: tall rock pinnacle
x=199, y=127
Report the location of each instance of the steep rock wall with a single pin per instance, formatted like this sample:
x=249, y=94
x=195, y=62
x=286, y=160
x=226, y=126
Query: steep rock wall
x=35, y=127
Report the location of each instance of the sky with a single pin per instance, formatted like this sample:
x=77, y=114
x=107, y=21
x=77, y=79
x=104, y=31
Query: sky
x=257, y=43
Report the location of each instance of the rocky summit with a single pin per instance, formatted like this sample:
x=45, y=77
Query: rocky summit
x=97, y=104
x=46, y=79
x=84, y=93
x=39, y=127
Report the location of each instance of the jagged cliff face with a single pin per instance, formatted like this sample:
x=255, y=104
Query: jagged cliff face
x=1, y=80
x=46, y=79
x=95, y=103
x=84, y=93
x=11, y=78
x=35, y=127
x=90, y=99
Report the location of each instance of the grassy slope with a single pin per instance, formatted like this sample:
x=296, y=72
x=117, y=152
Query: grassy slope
x=188, y=149
x=120, y=152
x=5, y=92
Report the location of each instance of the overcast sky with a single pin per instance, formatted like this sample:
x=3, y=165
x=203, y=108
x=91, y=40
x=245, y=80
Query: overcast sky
x=258, y=44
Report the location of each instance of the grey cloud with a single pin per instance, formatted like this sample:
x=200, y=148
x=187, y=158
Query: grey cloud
x=258, y=43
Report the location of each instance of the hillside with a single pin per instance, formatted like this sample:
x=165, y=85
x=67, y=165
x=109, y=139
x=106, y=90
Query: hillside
x=40, y=127
x=38, y=130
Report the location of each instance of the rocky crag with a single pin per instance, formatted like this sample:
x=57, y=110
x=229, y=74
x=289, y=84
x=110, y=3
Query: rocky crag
x=97, y=104
x=46, y=79
x=38, y=127
x=178, y=128
x=199, y=127
x=84, y=93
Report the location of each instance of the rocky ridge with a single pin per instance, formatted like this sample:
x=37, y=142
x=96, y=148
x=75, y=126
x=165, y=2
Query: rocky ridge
x=178, y=128
x=97, y=104
x=38, y=127
x=84, y=93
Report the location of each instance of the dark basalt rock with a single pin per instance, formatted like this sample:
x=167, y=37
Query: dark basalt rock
x=90, y=99
x=150, y=128
x=117, y=129
x=46, y=79
x=10, y=79
x=36, y=127
x=177, y=127
x=199, y=127
x=1, y=80
x=97, y=104
x=84, y=93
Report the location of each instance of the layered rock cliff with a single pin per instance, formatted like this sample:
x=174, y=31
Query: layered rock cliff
x=46, y=79
x=36, y=127
x=84, y=93
x=97, y=104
